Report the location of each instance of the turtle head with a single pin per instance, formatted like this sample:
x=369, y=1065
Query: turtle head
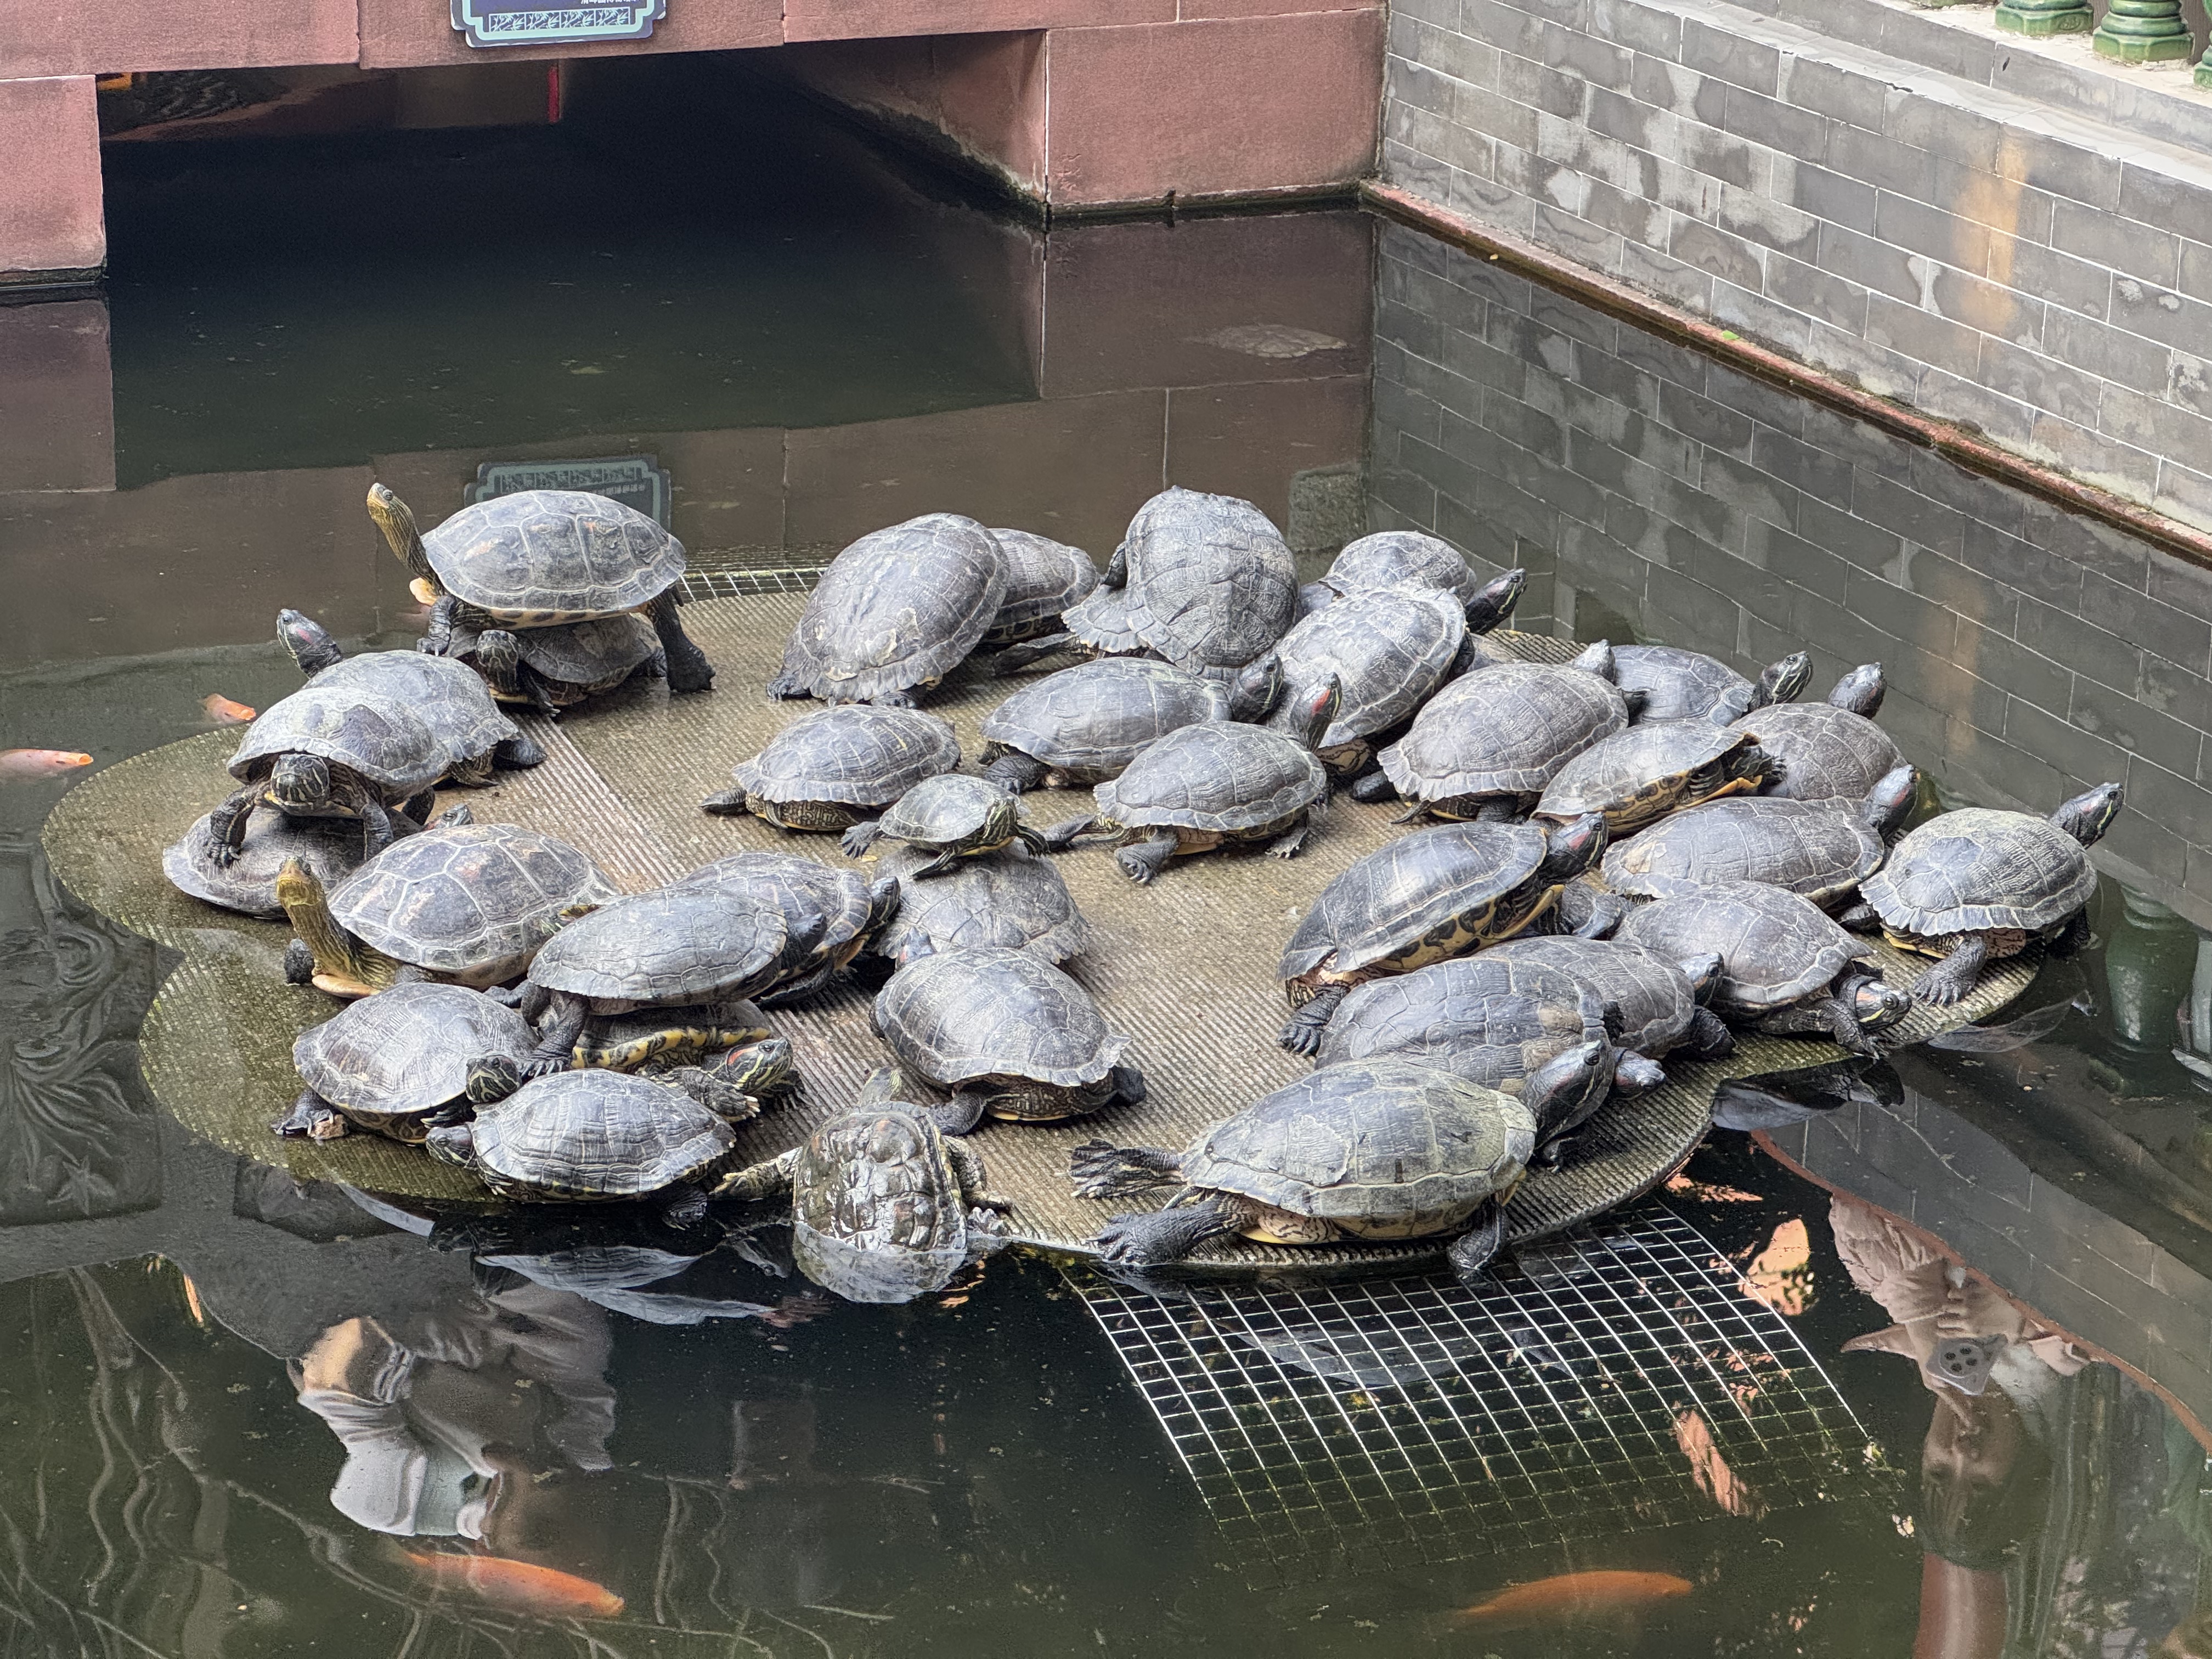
x=308, y=640
x=1861, y=691
x=760, y=1069
x=499, y=659
x=1874, y=1003
x=1323, y=703
x=2087, y=816
x=397, y=521
x=1258, y=688
x=1890, y=799
x=1703, y=974
x=1783, y=681
x=882, y=905
x=492, y=1077
x=339, y=964
x=1494, y=601
x=300, y=783
x=1574, y=847
x=1568, y=1087
x=1597, y=659
x=451, y=1143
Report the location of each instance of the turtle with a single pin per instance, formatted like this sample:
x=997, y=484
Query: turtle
x=1008, y=898
x=895, y=613
x=1390, y=651
x=330, y=849
x=885, y=1206
x=1044, y=578
x=1484, y=1018
x=1205, y=582
x=1392, y=558
x=1486, y=746
x=1786, y=967
x=469, y=903
x=1688, y=685
x=952, y=816
x=1832, y=749
x=539, y=558
x=1381, y=1149
x=1975, y=885
x=1660, y=1004
x=1638, y=776
x=1215, y=784
x=855, y=910
x=397, y=1064
x=839, y=766
x=1438, y=892
x=1821, y=849
x=1084, y=724
x=550, y=669
x=1007, y=1033
x=444, y=696
x=686, y=953
x=331, y=753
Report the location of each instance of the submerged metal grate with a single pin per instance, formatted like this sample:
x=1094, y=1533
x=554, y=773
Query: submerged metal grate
x=1618, y=1379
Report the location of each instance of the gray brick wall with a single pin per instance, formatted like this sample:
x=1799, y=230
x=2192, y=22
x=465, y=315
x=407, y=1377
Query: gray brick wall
x=1946, y=241
x=1656, y=494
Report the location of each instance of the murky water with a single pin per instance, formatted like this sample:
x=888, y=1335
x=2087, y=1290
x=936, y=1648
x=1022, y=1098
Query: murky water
x=240, y=1415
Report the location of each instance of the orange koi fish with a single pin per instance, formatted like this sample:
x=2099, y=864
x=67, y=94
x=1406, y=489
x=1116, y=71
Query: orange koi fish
x=40, y=763
x=517, y=1586
x=1575, y=1595
x=223, y=711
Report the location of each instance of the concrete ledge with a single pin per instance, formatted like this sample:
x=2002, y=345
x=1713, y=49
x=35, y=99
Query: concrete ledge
x=52, y=226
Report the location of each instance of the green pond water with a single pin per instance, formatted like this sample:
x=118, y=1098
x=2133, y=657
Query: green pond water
x=242, y=1417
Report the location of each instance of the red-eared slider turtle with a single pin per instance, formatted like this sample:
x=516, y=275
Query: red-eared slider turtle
x=1976, y=885
x=1376, y=1149
x=855, y=910
x=1044, y=578
x=1688, y=685
x=1486, y=746
x=1389, y=651
x=1486, y=1019
x=832, y=769
x=1084, y=724
x=1215, y=785
x=1821, y=849
x=397, y=1064
x=1007, y=899
x=1832, y=749
x=1639, y=776
x=1785, y=968
x=551, y=669
x=895, y=613
x=469, y=903
x=444, y=695
x=331, y=753
x=951, y=817
x=884, y=1206
x=1660, y=1004
x=1007, y=1033
x=1394, y=558
x=1436, y=893
x=542, y=558
x=686, y=951
x=330, y=849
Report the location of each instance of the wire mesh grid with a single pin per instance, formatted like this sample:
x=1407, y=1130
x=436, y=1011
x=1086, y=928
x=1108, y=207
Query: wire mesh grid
x=731, y=584
x=1612, y=1380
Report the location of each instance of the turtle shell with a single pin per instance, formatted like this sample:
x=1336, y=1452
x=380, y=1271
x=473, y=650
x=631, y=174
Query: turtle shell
x=1978, y=870
x=1775, y=947
x=1101, y=621
x=1009, y=899
x=381, y=738
x=799, y=887
x=960, y=1015
x=1821, y=849
x=855, y=754
x=1211, y=583
x=473, y=900
x=407, y=1050
x=1096, y=716
x=1381, y=1141
x=1504, y=730
x=602, y=651
x=1420, y=885
x=877, y=1208
x=447, y=696
x=1222, y=776
x=330, y=847
x=1637, y=775
x=1679, y=684
x=1388, y=650
x=596, y=1134
x=952, y=806
x=1489, y=1019
x=541, y=556
x=669, y=948
x=1392, y=557
x=1044, y=578
x=898, y=608
x=1825, y=752
x=1652, y=997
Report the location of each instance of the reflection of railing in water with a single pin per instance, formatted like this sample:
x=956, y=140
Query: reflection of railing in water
x=1617, y=1380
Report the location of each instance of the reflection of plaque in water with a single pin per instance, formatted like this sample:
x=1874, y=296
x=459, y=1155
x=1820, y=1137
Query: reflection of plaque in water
x=635, y=481
x=517, y=23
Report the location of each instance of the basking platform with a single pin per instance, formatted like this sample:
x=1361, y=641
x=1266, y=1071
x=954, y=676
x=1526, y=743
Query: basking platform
x=1184, y=966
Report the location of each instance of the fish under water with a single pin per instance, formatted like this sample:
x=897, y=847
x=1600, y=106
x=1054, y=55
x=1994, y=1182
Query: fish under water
x=40, y=762
x=1601, y=1594
x=225, y=712
x=517, y=1586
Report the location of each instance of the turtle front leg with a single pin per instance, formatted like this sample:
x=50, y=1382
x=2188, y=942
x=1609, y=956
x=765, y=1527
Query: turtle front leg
x=1142, y=862
x=1098, y=1169
x=1017, y=773
x=1032, y=841
x=1165, y=1235
x=958, y=1116
x=1859, y=918
x=861, y=837
x=226, y=825
x=1062, y=836
x=1581, y=911
x=1955, y=977
x=1836, y=1016
x=688, y=667
x=377, y=831
x=974, y=1185
x=724, y=1099
x=943, y=864
x=2072, y=937
x=312, y=1116
x=556, y=1037
x=1301, y=1031
x=730, y=804
x=1290, y=846
x=800, y=988
x=1473, y=1250
x=1635, y=1074
x=769, y=1179
x=1709, y=1037
x=438, y=636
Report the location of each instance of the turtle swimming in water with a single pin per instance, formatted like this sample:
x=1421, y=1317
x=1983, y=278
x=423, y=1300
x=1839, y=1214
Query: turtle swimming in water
x=895, y=613
x=951, y=817
x=838, y=767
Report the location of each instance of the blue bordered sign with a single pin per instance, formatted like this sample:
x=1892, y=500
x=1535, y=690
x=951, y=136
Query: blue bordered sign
x=635, y=481
x=521, y=23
